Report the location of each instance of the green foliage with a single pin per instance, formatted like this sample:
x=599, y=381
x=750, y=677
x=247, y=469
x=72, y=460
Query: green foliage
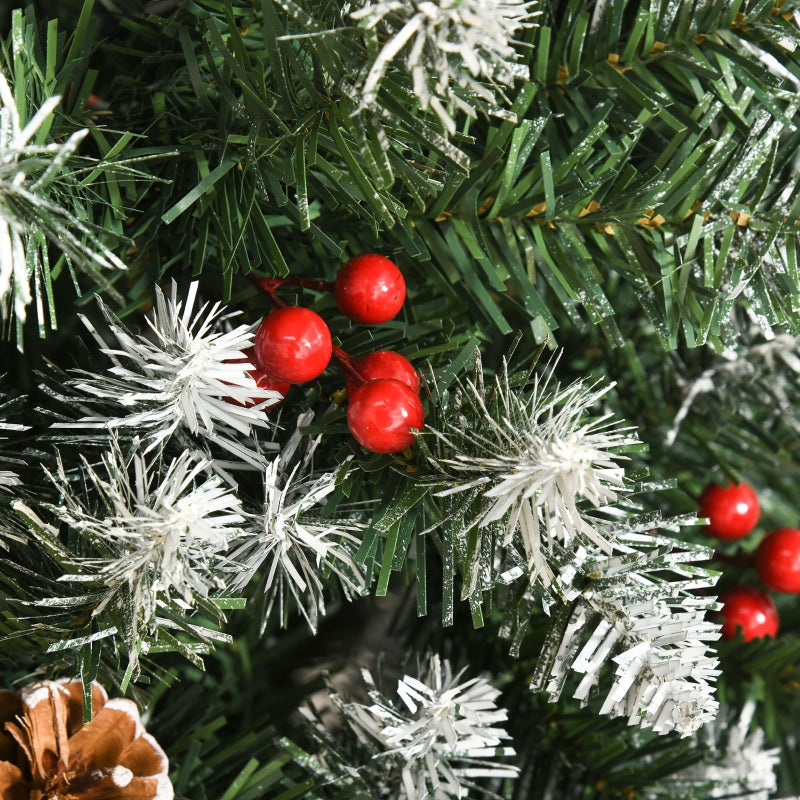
x=640, y=214
x=66, y=184
x=658, y=154
x=231, y=736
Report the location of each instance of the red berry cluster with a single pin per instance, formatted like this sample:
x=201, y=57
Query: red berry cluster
x=293, y=345
x=732, y=513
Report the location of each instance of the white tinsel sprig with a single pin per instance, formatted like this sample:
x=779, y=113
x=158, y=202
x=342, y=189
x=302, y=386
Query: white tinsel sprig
x=31, y=218
x=640, y=612
x=457, y=52
x=153, y=533
x=441, y=736
x=292, y=548
x=769, y=368
x=737, y=765
x=190, y=372
x=541, y=463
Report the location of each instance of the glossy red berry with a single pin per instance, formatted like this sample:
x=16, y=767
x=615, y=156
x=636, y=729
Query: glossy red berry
x=778, y=560
x=749, y=609
x=382, y=414
x=732, y=510
x=293, y=344
x=384, y=364
x=370, y=289
x=263, y=381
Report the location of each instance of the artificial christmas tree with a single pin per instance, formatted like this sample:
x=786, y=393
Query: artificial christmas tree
x=573, y=227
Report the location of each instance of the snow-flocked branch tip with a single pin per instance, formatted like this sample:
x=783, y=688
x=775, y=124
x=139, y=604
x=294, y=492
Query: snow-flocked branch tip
x=292, y=547
x=153, y=532
x=737, y=765
x=640, y=614
x=456, y=52
x=443, y=734
x=30, y=216
x=191, y=372
x=541, y=460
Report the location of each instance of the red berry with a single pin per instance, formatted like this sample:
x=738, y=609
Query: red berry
x=382, y=413
x=750, y=609
x=778, y=560
x=384, y=364
x=263, y=381
x=293, y=344
x=732, y=510
x=370, y=289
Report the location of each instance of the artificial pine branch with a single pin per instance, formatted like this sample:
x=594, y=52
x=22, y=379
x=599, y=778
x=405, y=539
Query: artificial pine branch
x=49, y=220
x=634, y=196
x=190, y=374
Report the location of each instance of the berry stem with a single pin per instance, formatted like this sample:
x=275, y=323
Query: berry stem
x=271, y=285
x=345, y=363
x=265, y=286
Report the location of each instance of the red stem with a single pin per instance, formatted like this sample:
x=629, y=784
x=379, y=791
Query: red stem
x=265, y=286
x=345, y=363
x=271, y=285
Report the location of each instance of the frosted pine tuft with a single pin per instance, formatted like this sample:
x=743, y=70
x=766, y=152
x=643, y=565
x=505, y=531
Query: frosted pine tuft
x=153, y=532
x=191, y=372
x=31, y=218
x=538, y=458
x=442, y=734
x=639, y=612
x=289, y=545
x=737, y=766
x=457, y=52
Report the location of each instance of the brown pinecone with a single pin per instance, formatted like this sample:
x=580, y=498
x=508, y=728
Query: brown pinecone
x=48, y=753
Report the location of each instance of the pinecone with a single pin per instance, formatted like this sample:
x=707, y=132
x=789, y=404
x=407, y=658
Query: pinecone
x=48, y=753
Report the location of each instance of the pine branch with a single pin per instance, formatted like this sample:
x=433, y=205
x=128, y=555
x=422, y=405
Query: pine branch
x=663, y=679
x=190, y=378
x=145, y=537
x=702, y=222
x=442, y=737
x=538, y=488
x=55, y=196
x=293, y=554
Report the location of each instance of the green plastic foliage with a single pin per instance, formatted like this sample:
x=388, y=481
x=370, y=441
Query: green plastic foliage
x=651, y=144
x=661, y=154
x=271, y=150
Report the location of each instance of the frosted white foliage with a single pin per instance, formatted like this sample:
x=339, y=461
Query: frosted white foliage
x=292, y=548
x=443, y=733
x=159, y=531
x=737, y=766
x=738, y=368
x=9, y=478
x=538, y=459
x=190, y=372
x=454, y=50
x=650, y=625
x=27, y=213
